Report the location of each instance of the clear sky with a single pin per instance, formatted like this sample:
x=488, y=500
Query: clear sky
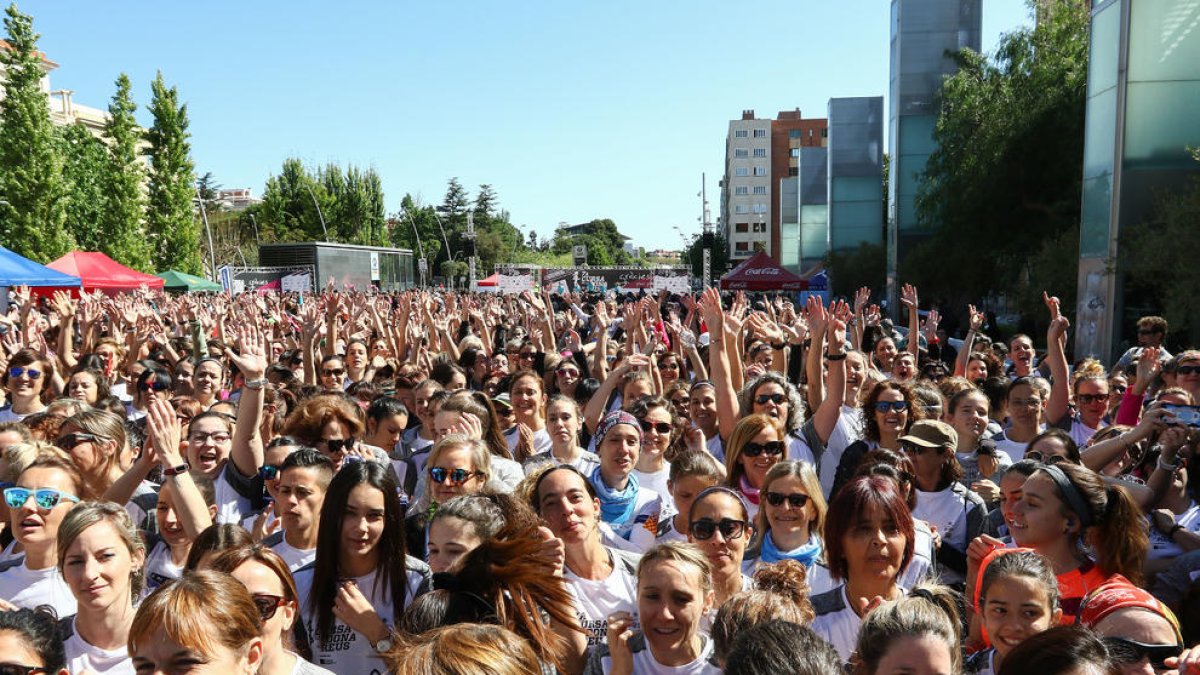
x=571, y=110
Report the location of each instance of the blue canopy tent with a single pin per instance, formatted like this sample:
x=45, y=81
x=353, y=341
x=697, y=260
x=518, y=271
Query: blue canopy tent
x=16, y=270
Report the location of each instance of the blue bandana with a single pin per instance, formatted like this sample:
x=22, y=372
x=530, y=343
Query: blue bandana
x=616, y=507
x=805, y=554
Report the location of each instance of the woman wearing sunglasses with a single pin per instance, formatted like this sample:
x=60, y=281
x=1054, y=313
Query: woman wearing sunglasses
x=331, y=424
x=23, y=380
x=654, y=414
x=273, y=591
x=632, y=511
x=485, y=426
x=361, y=581
x=675, y=591
x=96, y=442
x=755, y=445
x=868, y=543
x=888, y=411
x=101, y=556
x=205, y=623
x=44, y=493
x=458, y=464
x=29, y=644
x=720, y=527
x=790, y=517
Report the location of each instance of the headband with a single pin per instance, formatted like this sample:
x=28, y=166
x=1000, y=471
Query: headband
x=1118, y=593
x=614, y=418
x=1069, y=492
x=714, y=489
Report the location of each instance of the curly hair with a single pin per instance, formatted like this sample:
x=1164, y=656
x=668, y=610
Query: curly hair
x=307, y=422
x=870, y=426
x=795, y=416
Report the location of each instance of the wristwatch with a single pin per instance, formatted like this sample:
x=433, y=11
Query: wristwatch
x=384, y=645
x=177, y=469
x=256, y=384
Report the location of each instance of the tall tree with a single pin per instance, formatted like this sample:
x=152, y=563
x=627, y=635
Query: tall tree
x=86, y=160
x=33, y=192
x=172, y=224
x=123, y=212
x=208, y=187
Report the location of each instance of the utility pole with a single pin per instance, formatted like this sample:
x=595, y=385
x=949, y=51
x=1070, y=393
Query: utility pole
x=422, y=263
x=212, y=256
x=708, y=233
x=471, y=250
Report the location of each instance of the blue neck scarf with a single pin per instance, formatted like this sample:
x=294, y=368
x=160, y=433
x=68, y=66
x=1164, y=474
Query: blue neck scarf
x=616, y=507
x=805, y=555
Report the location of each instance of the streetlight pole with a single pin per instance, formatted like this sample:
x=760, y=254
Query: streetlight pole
x=212, y=256
x=471, y=260
x=442, y=229
x=423, y=264
x=319, y=213
x=707, y=233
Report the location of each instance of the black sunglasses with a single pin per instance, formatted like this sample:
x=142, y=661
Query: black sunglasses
x=1088, y=399
x=69, y=441
x=753, y=449
x=1051, y=460
x=266, y=604
x=17, y=669
x=1128, y=651
x=334, y=372
x=457, y=476
x=660, y=427
x=337, y=445
x=705, y=528
x=269, y=472
x=1187, y=370
x=797, y=500
x=777, y=399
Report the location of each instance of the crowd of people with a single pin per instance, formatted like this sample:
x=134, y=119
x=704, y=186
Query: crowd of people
x=434, y=482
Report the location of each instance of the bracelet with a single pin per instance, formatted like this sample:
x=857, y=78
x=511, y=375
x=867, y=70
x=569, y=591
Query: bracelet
x=177, y=469
x=1171, y=532
x=835, y=357
x=1167, y=467
x=255, y=384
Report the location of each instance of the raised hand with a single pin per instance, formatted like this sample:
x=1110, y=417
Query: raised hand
x=861, y=298
x=252, y=357
x=1053, y=304
x=976, y=318
x=908, y=297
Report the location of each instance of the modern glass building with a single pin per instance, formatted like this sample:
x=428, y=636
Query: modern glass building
x=855, y=172
x=924, y=34
x=804, y=227
x=1143, y=111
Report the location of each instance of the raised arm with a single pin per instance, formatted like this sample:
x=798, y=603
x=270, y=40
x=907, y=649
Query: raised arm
x=1056, y=337
x=908, y=298
x=164, y=431
x=817, y=318
x=247, y=452
x=598, y=404
x=964, y=354
x=718, y=358
x=826, y=416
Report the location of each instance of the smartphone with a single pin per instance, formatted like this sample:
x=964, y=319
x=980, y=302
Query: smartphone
x=1187, y=415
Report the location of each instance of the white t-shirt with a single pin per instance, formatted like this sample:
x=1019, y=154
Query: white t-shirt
x=346, y=651
x=159, y=567
x=586, y=462
x=656, y=481
x=798, y=450
x=231, y=505
x=836, y=621
x=82, y=656
x=507, y=472
x=600, y=662
x=294, y=557
x=1014, y=449
x=29, y=589
x=716, y=448
x=847, y=430
x=1080, y=432
x=596, y=600
x=641, y=531
x=541, y=440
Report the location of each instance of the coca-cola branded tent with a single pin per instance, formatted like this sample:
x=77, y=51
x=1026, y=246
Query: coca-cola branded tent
x=760, y=273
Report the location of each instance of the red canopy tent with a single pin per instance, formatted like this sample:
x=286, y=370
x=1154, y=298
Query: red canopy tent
x=489, y=282
x=760, y=273
x=100, y=272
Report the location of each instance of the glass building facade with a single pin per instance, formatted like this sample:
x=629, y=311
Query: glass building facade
x=924, y=35
x=804, y=225
x=855, y=171
x=1143, y=111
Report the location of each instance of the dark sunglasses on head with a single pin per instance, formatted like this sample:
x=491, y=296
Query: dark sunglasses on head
x=1052, y=459
x=797, y=500
x=660, y=427
x=1128, y=651
x=753, y=449
x=68, y=442
x=17, y=371
x=894, y=406
x=269, y=472
x=777, y=399
x=1088, y=399
x=1181, y=370
x=267, y=604
x=337, y=445
x=705, y=528
x=457, y=476
x=45, y=498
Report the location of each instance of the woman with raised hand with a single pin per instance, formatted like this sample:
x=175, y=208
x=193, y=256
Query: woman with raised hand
x=205, y=622
x=868, y=543
x=633, y=512
x=357, y=588
x=266, y=576
x=102, y=558
x=790, y=517
x=529, y=402
x=756, y=444
x=674, y=593
x=453, y=417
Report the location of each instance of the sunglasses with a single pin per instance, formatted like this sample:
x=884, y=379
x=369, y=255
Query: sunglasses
x=893, y=406
x=457, y=476
x=753, y=449
x=68, y=442
x=45, y=498
x=269, y=472
x=338, y=445
x=334, y=372
x=17, y=371
x=1051, y=460
x=155, y=385
x=777, y=399
x=17, y=669
x=1088, y=399
x=1128, y=651
x=797, y=500
x=528, y=355
x=705, y=528
x=1119, y=389
x=568, y=372
x=1181, y=370
x=660, y=427
x=267, y=604
x=914, y=449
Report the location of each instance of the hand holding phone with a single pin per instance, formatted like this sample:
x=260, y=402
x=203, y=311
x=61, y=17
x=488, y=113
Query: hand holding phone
x=1186, y=415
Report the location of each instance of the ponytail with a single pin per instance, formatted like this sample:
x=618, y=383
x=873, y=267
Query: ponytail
x=1120, y=538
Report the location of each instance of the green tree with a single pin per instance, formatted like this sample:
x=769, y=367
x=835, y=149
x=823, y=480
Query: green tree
x=33, y=191
x=1002, y=190
x=86, y=160
x=124, y=209
x=208, y=187
x=851, y=270
x=718, y=256
x=172, y=225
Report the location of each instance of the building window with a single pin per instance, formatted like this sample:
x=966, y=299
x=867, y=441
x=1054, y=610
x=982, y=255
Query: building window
x=795, y=133
x=740, y=227
x=760, y=227
x=793, y=171
x=760, y=246
x=741, y=208
x=741, y=190
x=760, y=133
x=760, y=171
x=795, y=152
x=760, y=152
x=760, y=189
x=741, y=152
x=741, y=246
x=825, y=132
x=739, y=133
x=760, y=208
x=741, y=171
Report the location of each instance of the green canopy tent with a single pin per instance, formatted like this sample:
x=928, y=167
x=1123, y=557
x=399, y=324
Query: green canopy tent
x=181, y=282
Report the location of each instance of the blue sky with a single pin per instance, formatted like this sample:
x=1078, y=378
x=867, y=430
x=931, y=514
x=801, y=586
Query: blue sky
x=571, y=110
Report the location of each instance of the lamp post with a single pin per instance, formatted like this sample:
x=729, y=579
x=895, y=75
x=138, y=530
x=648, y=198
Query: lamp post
x=442, y=229
x=423, y=264
x=212, y=256
x=319, y=213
